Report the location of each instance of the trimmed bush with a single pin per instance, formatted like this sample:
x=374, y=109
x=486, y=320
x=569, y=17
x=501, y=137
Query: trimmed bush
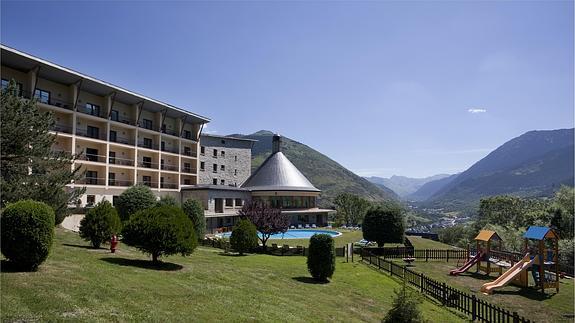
x=167, y=200
x=100, y=223
x=405, y=307
x=161, y=231
x=134, y=199
x=321, y=257
x=244, y=237
x=27, y=233
x=195, y=211
x=384, y=224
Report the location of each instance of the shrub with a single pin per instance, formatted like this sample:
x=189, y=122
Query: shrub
x=321, y=257
x=195, y=211
x=161, y=231
x=566, y=253
x=384, y=224
x=405, y=307
x=27, y=233
x=134, y=199
x=100, y=223
x=244, y=237
x=167, y=200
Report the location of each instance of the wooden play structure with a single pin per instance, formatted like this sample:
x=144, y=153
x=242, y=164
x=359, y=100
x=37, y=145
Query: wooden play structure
x=545, y=258
x=484, y=243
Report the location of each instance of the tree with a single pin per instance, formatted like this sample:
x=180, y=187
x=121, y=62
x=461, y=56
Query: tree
x=134, y=199
x=267, y=220
x=193, y=208
x=167, y=200
x=405, y=307
x=563, y=211
x=161, y=231
x=244, y=236
x=351, y=208
x=100, y=223
x=321, y=257
x=27, y=233
x=28, y=166
x=384, y=224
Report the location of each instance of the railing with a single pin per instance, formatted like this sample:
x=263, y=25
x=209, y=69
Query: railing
x=115, y=182
x=93, y=158
x=141, y=125
x=124, y=121
x=189, y=170
x=190, y=153
x=171, y=150
x=170, y=132
x=91, y=181
x=149, y=184
x=121, y=161
x=469, y=304
x=169, y=185
x=123, y=140
x=62, y=128
x=174, y=168
x=152, y=146
x=53, y=102
x=82, y=108
x=147, y=165
x=84, y=133
x=427, y=254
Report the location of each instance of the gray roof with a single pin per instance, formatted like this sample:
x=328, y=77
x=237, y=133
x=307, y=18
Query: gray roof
x=277, y=173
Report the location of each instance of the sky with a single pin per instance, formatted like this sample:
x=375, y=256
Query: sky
x=411, y=88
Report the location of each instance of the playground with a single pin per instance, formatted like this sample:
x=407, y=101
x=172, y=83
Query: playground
x=528, y=283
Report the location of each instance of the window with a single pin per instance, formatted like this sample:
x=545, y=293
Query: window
x=5, y=84
x=42, y=96
x=222, y=182
x=223, y=167
x=223, y=153
x=148, y=124
x=111, y=179
x=235, y=171
x=147, y=162
x=161, y=182
x=93, y=132
x=215, y=154
x=91, y=177
x=187, y=134
x=163, y=128
x=92, y=154
x=148, y=143
x=187, y=167
x=239, y=202
x=235, y=158
x=147, y=180
x=161, y=163
x=115, y=199
x=187, y=151
x=115, y=116
x=215, y=181
x=93, y=109
x=163, y=145
x=215, y=168
x=202, y=166
x=112, y=157
x=187, y=181
x=202, y=150
x=113, y=136
x=229, y=202
x=90, y=200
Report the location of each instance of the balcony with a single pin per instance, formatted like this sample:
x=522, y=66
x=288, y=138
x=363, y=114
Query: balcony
x=190, y=153
x=93, y=158
x=91, y=134
x=170, y=132
x=123, y=120
x=173, y=168
x=148, y=146
x=115, y=182
x=62, y=128
x=122, y=140
x=148, y=183
x=89, y=111
x=171, y=150
x=169, y=185
x=148, y=126
x=144, y=164
x=91, y=181
x=121, y=161
x=49, y=101
x=189, y=170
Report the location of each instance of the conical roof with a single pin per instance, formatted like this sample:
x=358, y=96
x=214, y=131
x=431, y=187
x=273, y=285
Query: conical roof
x=277, y=173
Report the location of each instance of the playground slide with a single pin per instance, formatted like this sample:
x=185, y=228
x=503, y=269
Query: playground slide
x=508, y=276
x=467, y=265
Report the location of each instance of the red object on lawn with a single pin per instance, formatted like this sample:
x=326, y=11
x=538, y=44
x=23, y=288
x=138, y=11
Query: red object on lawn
x=113, y=243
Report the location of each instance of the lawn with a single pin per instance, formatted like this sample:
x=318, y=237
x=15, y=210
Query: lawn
x=529, y=303
x=83, y=284
x=421, y=243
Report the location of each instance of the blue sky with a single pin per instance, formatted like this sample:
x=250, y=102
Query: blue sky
x=406, y=88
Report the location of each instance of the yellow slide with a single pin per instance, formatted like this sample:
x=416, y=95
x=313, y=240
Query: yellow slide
x=508, y=276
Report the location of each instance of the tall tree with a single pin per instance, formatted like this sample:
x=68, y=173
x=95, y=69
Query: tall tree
x=28, y=166
x=267, y=220
x=351, y=208
x=384, y=224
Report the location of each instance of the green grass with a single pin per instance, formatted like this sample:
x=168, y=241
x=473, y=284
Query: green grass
x=421, y=243
x=527, y=302
x=82, y=284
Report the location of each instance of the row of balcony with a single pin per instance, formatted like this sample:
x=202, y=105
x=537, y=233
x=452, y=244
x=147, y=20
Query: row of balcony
x=130, y=162
x=113, y=182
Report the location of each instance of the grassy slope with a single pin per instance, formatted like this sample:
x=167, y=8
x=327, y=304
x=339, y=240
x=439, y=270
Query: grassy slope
x=420, y=243
x=84, y=284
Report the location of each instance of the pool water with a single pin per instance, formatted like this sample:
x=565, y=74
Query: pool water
x=293, y=234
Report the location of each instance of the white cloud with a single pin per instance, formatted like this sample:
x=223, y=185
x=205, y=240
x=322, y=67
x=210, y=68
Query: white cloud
x=476, y=110
x=206, y=131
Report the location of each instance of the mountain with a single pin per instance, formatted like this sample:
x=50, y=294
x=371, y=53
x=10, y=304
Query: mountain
x=403, y=186
x=430, y=188
x=323, y=172
x=534, y=164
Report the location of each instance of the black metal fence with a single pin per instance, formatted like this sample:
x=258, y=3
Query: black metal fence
x=272, y=249
x=478, y=309
x=427, y=254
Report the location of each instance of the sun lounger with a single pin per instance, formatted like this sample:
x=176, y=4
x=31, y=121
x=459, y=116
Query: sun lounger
x=292, y=227
x=307, y=226
x=313, y=226
x=274, y=245
x=299, y=226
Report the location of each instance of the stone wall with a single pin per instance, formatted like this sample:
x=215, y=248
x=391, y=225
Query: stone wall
x=236, y=159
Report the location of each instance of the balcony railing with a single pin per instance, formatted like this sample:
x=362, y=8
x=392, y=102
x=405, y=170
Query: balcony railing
x=147, y=165
x=190, y=153
x=123, y=140
x=169, y=185
x=62, y=128
x=49, y=101
x=91, y=181
x=116, y=182
x=96, y=113
x=84, y=133
x=169, y=167
x=143, y=126
x=174, y=150
x=152, y=146
x=189, y=170
x=124, y=121
x=170, y=132
x=121, y=161
x=93, y=158
x=148, y=183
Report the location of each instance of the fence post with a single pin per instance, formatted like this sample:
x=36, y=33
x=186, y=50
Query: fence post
x=352, y=252
x=473, y=307
x=378, y=263
x=515, y=317
x=444, y=289
x=426, y=254
x=421, y=282
x=448, y=255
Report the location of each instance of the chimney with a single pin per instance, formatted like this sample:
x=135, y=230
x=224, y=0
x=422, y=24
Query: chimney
x=276, y=144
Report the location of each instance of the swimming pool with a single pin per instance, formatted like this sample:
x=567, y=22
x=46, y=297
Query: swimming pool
x=293, y=234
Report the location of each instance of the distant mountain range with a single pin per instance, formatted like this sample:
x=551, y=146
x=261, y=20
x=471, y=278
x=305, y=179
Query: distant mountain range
x=323, y=172
x=534, y=164
x=428, y=189
x=402, y=185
